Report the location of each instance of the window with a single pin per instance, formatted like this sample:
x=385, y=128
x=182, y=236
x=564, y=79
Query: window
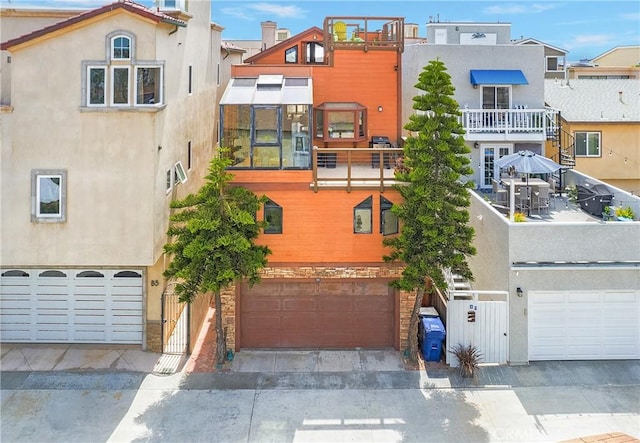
x=48, y=195
x=189, y=156
x=119, y=81
x=315, y=53
x=148, y=85
x=496, y=97
x=587, y=144
x=362, y=223
x=96, y=76
x=554, y=64
x=273, y=217
x=265, y=125
x=169, y=180
x=291, y=55
x=120, y=48
x=173, y=4
x=120, y=86
x=388, y=220
x=340, y=120
x=181, y=176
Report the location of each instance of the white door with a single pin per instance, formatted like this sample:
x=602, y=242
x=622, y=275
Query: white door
x=584, y=325
x=491, y=153
x=71, y=306
x=483, y=324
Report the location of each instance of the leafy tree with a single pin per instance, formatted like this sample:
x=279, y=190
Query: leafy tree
x=211, y=239
x=435, y=235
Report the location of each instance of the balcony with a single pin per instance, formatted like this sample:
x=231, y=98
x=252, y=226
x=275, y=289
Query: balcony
x=508, y=124
x=348, y=168
x=366, y=33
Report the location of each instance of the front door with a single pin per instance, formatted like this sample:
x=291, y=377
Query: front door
x=491, y=153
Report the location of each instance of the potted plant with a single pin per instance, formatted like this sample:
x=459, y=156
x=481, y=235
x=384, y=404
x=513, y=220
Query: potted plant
x=607, y=213
x=519, y=217
x=469, y=357
x=625, y=214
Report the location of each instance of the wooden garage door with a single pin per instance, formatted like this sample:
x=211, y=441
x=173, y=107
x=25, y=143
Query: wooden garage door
x=326, y=314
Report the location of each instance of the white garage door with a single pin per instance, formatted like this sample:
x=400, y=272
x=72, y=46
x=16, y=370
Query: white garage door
x=584, y=325
x=71, y=306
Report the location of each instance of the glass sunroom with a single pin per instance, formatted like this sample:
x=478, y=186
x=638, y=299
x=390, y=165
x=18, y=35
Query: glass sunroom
x=266, y=120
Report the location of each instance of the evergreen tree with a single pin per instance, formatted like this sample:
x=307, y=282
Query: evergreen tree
x=211, y=240
x=435, y=233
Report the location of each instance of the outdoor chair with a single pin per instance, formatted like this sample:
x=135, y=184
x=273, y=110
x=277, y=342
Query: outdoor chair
x=540, y=200
x=499, y=194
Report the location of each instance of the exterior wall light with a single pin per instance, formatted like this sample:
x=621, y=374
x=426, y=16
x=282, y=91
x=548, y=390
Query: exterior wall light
x=380, y=108
x=519, y=291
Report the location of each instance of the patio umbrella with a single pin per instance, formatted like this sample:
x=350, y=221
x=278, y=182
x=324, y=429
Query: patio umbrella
x=528, y=162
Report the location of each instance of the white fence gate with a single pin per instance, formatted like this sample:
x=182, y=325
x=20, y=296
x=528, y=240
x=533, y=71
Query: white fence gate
x=479, y=318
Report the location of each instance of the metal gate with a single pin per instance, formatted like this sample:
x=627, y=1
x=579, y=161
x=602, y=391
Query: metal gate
x=479, y=318
x=175, y=323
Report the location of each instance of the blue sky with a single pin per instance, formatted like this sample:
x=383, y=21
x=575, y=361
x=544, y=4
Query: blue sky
x=584, y=28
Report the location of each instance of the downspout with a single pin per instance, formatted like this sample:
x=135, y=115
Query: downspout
x=175, y=30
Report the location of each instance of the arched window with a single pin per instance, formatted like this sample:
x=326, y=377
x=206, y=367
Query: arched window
x=120, y=48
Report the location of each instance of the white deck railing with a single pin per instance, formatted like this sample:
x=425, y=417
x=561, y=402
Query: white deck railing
x=538, y=121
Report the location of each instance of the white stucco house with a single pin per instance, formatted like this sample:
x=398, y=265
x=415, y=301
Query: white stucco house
x=565, y=283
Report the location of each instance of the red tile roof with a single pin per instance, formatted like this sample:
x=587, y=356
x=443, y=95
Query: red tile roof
x=127, y=5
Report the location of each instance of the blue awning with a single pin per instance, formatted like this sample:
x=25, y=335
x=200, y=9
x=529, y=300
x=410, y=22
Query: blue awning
x=498, y=77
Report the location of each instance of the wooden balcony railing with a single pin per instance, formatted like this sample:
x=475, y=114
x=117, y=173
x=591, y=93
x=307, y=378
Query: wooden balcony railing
x=347, y=168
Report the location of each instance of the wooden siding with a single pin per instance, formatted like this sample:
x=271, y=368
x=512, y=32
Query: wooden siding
x=318, y=227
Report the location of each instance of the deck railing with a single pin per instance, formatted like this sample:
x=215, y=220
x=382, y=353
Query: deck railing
x=505, y=121
x=355, y=167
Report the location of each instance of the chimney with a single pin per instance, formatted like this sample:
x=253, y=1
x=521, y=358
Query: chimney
x=268, y=34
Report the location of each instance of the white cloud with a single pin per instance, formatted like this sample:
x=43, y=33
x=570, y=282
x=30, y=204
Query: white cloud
x=519, y=8
x=630, y=16
x=278, y=10
x=590, y=40
x=252, y=11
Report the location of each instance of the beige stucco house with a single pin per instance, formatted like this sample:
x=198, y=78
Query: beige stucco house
x=108, y=116
x=600, y=127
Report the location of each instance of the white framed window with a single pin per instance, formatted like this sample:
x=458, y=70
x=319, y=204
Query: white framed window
x=587, y=144
x=180, y=174
x=554, y=64
x=173, y=4
x=148, y=85
x=120, y=85
x=120, y=48
x=169, y=180
x=96, y=85
x=48, y=195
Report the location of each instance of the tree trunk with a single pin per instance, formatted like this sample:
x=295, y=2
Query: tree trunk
x=221, y=340
x=413, y=327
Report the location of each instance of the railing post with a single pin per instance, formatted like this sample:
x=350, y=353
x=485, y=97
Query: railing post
x=314, y=159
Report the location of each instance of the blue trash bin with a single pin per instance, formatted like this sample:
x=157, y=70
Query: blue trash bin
x=432, y=335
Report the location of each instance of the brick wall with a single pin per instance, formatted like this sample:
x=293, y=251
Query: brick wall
x=310, y=272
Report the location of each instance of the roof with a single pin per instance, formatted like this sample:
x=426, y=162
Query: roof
x=617, y=48
x=279, y=45
x=273, y=89
x=588, y=100
x=497, y=77
x=126, y=5
x=524, y=41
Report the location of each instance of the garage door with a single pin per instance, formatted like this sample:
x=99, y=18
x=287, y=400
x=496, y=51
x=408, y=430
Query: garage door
x=322, y=314
x=71, y=306
x=586, y=325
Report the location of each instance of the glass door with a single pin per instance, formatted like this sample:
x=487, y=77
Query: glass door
x=491, y=153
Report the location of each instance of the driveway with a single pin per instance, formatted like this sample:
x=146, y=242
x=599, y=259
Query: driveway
x=542, y=402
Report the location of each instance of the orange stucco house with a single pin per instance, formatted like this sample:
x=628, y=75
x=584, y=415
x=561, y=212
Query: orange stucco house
x=315, y=125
